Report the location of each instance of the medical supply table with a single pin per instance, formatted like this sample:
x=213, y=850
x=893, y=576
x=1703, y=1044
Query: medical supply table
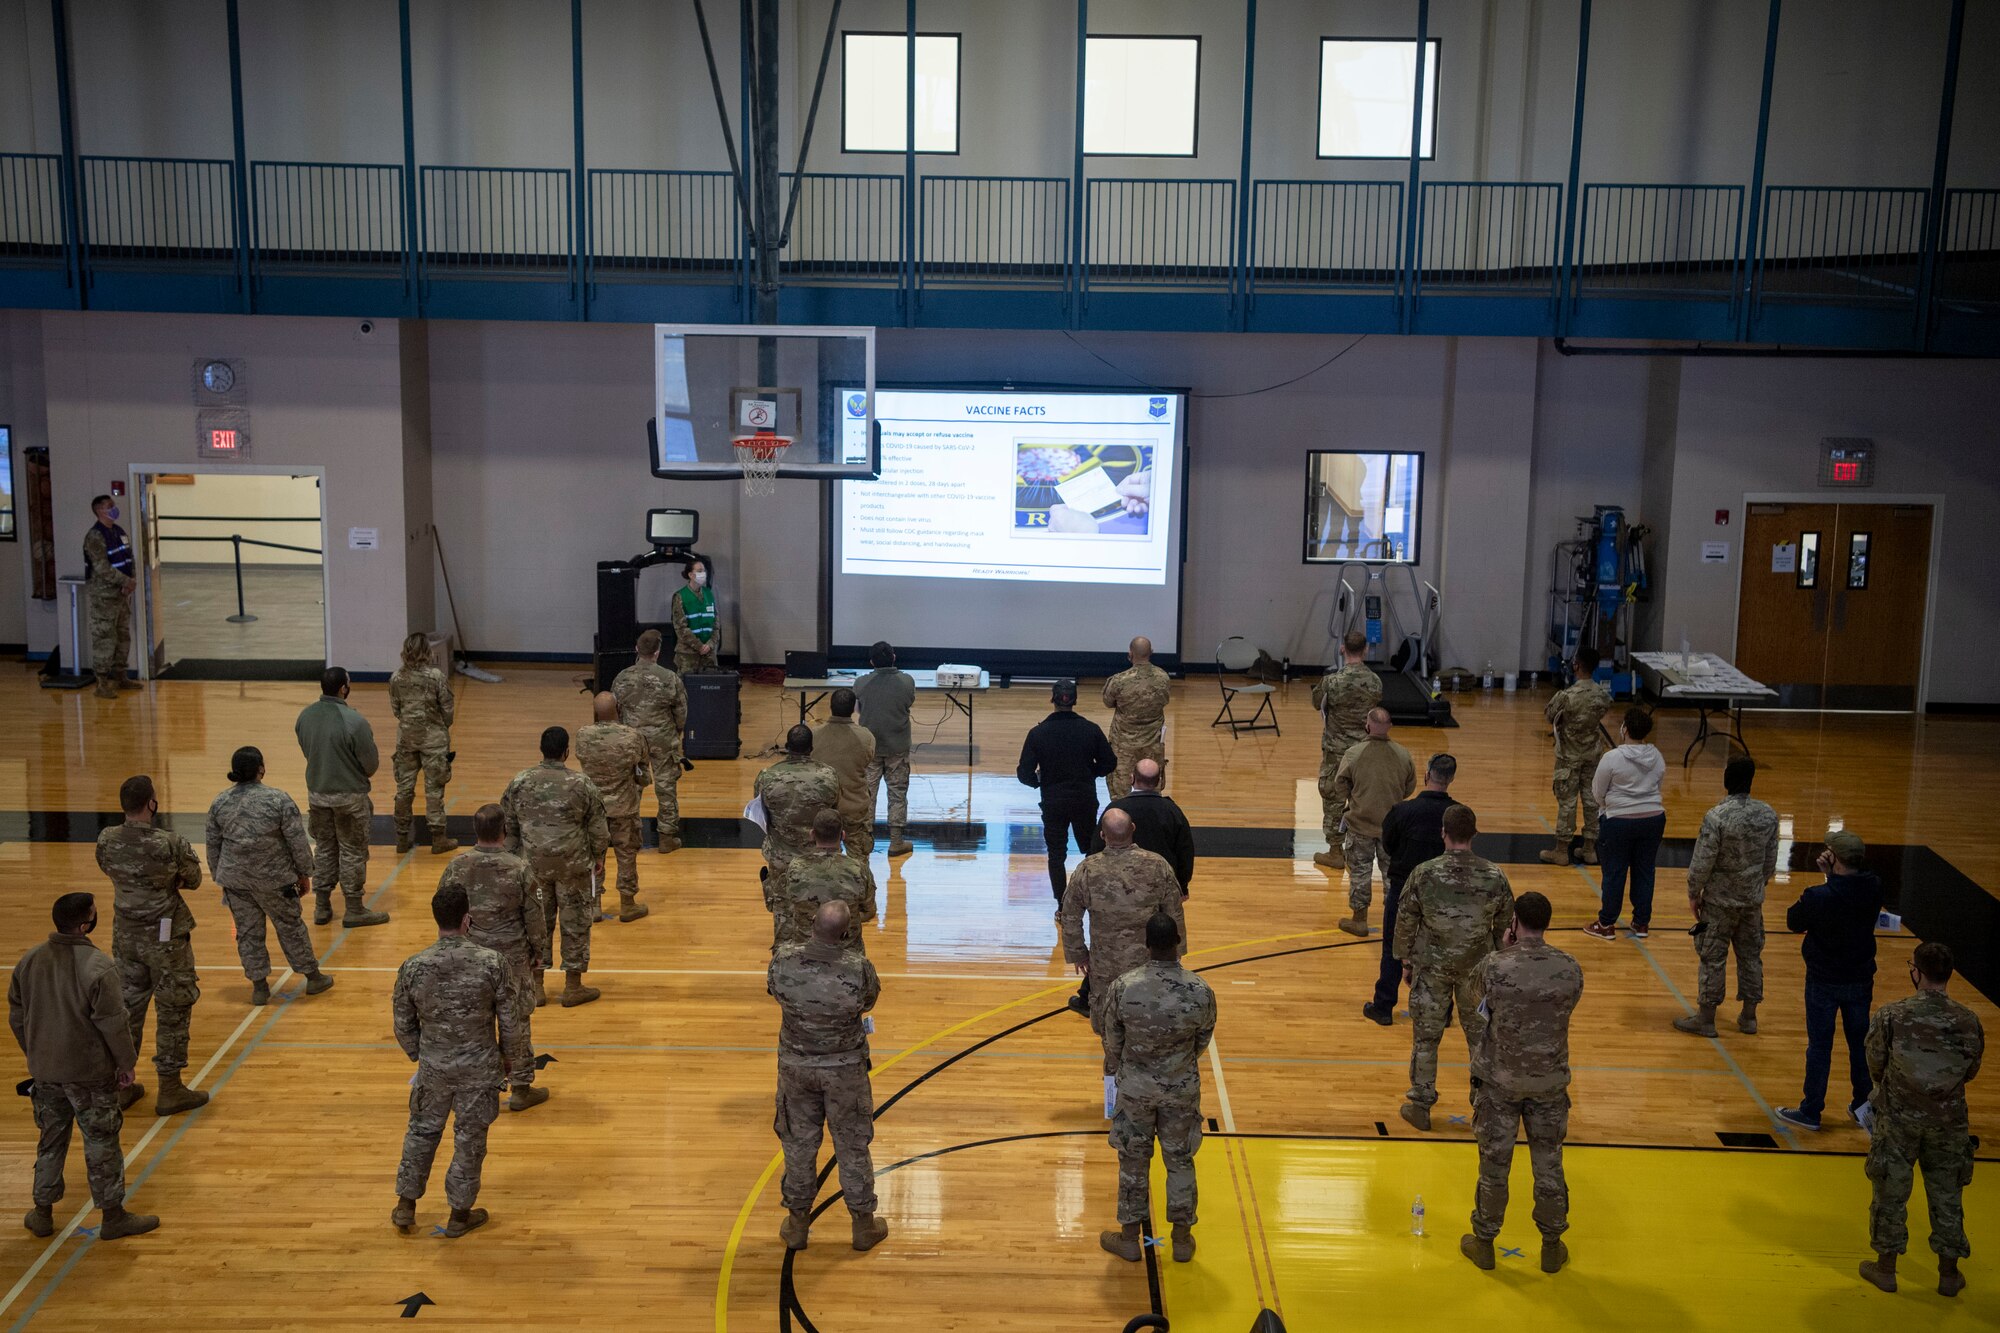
x=1707, y=683
x=811, y=690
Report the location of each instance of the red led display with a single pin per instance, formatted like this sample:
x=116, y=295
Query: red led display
x=226, y=439
x=1841, y=471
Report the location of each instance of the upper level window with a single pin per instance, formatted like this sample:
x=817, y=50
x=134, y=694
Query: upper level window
x=874, y=86
x=1366, y=88
x=1139, y=96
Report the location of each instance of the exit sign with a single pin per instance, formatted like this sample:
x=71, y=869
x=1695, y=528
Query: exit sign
x=1847, y=464
x=223, y=433
x=222, y=441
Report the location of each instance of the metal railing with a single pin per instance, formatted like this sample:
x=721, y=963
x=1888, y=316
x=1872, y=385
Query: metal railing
x=1851, y=245
x=179, y=210
x=672, y=225
x=31, y=211
x=1660, y=241
x=1483, y=237
x=497, y=222
x=1159, y=233
x=848, y=229
x=1326, y=235
x=1969, y=251
x=1012, y=230
x=326, y=215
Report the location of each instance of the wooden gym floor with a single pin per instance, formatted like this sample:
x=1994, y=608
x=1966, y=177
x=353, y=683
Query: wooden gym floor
x=643, y=1194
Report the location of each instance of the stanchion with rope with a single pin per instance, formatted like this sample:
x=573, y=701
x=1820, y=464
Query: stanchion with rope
x=759, y=456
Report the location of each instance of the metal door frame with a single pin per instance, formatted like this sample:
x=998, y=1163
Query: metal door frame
x=1853, y=499
x=144, y=630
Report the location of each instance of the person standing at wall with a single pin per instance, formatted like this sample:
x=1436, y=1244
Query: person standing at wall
x=258, y=853
x=341, y=758
x=421, y=699
x=1632, y=824
x=653, y=702
x=1343, y=697
x=112, y=574
x=1137, y=698
x=693, y=613
x=885, y=696
x=1576, y=716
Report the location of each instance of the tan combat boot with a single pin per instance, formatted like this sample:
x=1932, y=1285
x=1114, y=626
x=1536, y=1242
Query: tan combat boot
x=669, y=845
x=1588, y=852
x=129, y=1097
x=526, y=1095
x=1418, y=1116
x=869, y=1231
x=1356, y=924
x=1701, y=1024
x=541, y=991
x=318, y=983
x=260, y=993
x=575, y=992
x=1554, y=1254
x=1183, y=1242
x=1329, y=860
x=1557, y=855
x=630, y=908
x=795, y=1229
x=404, y=1215
x=1881, y=1270
x=358, y=914
x=404, y=839
x=176, y=1096
x=105, y=689
x=1124, y=1242
x=899, y=845
x=463, y=1220
x=1477, y=1250
x=322, y=906
x=441, y=844
x=118, y=1223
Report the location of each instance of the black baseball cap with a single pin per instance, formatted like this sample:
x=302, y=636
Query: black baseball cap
x=1064, y=692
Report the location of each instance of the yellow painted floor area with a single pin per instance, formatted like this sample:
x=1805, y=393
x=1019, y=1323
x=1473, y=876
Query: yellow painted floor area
x=1319, y=1231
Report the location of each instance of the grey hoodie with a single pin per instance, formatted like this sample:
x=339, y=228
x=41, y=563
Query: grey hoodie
x=1627, y=784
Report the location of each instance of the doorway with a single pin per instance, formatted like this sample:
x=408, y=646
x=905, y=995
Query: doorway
x=232, y=573
x=1833, y=604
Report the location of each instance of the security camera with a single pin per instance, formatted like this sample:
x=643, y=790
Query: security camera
x=367, y=327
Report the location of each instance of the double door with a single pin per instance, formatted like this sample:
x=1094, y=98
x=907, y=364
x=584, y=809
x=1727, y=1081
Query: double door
x=1831, y=613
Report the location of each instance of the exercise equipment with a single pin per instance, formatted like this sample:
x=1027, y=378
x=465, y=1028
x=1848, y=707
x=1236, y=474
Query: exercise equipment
x=1405, y=658
x=1595, y=580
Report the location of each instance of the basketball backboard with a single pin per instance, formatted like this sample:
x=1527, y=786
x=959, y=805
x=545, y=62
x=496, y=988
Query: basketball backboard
x=715, y=384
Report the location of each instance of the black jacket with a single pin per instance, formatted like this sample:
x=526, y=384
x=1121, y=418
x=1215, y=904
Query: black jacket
x=1065, y=755
x=1413, y=832
x=1838, y=921
x=1158, y=826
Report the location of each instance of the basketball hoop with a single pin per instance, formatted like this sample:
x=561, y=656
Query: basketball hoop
x=759, y=455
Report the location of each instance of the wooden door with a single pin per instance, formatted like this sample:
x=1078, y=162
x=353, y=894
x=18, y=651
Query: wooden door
x=148, y=539
x=1782, y=611
x=1878, y=576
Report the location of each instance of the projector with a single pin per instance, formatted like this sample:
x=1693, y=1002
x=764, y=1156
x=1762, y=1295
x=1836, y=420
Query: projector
x=957, y=676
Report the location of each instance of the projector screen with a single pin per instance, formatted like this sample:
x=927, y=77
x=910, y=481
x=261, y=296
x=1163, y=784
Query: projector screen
x=1016, y=522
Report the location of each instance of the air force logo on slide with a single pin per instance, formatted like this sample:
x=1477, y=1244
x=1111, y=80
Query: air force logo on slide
x=857, y=404
x=1156, y=406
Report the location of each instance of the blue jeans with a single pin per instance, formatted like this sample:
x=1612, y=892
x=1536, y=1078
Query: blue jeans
x=1825, y=1000
x=1629, y=844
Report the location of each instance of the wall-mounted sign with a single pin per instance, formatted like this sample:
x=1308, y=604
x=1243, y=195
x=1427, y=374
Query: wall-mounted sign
x=1715, y=553
x=364, y=539
x=1846, y=463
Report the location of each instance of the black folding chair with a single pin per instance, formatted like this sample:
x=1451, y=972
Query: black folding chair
x=1233, y=656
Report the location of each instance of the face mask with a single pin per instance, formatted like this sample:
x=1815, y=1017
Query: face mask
x=92, y=926
x=111, y=514
x=700, y=579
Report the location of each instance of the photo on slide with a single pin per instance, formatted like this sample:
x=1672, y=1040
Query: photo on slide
x=1083, y=489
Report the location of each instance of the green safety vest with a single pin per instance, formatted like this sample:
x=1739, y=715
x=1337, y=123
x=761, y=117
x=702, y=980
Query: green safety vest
x=700, y=610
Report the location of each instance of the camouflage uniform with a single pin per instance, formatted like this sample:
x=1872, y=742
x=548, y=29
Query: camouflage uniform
x=614, y=756
x=555, y=822
x=93, y=1109
x=1119, y=888
x=341, y=760
x=258, y=852
x=1453, y=912
x=883, y=698
x=814, y=877
x=1374, y=776
x=823, y=1070
x=653, y=702
x=1343, y=696
x=111, y=572
x=1577, y=713
x=447, y=1003
x=1733, y=860
x=692, y=628
x=506, y=918
x=148, y=868
x=95, y=1047
x=794, y=790
x=848, y=748
x=1137, y=698
x=1520, y=1077
x=421, y=699
x=1922, y=1051
x=1157, y=1021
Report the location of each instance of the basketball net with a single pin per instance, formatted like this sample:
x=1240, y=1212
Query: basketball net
x=758, y=456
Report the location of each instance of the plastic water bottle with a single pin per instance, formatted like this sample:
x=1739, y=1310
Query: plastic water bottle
x=1417, y=1217
x=1486, y=681
x=1437, y=685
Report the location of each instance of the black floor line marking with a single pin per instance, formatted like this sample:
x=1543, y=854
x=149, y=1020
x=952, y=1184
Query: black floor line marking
x=1213, y=1127
x=1381, y=1129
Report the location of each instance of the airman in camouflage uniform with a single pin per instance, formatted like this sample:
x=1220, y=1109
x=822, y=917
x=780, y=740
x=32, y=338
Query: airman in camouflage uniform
x=1343, y=697
x=614, y=756
x=421, y=699
x=1158, y=1019
x=449, y=1001
x=793, y=791
x=555, y=822
x=506, y=917
x=150, y=924
x=824, y=990
x=110, y=573
x=1520, y=1077
x=1734, y=857
x=820, y=874
x=1922, y=1051
x=1576, y=714
x=1137, y=698
x=653, y=702
x=848, y=748
x=258, y=853
x=1454, y=911
x=1375, y=775
x=1119, y=889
